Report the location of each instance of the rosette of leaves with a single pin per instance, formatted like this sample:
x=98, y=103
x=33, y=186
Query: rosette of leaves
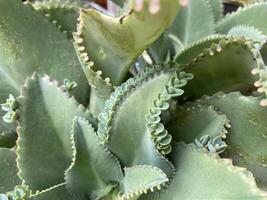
x=192, y=127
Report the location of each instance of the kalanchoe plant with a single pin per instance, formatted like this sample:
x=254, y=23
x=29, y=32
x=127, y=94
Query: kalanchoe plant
x=77, y=123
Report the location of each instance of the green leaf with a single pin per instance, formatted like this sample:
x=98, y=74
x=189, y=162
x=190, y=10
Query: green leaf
x=217, y=9
x=63, y=14
x=9, y=170
x=145, y=133
x=162, y=49
x=193, y=50
x=193, y=22
x=140, y=179
x=58, y=192
x=94, y=171
x=247, y=137
x=242, y=72
x=44, y=144
x=202, y=175
x=44, y=49
x=192, y=122
x=98, y=35
x=248, y=32
x=252, y=15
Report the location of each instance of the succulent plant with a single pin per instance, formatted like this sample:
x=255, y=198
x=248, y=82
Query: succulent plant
x=166, y=101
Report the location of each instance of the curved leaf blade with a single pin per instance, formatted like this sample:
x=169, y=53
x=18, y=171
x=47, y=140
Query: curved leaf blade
x=94, y=171
x=44, y=144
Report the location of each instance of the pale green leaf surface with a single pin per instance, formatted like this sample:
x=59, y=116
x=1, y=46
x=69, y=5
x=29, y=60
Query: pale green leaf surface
x=247, y=138
x=192, y=122
x=100, y=34
x=193, y=22
x=94, y=171
x=58, y=192
x=8, y=170
x=229, y=65
x=44, y=144
x=140, y=179
x=249, y=32
x=202, y=175
x=61, y=13
x=252, y=15
x=217, y=9
x=44, y=49
x=137, y=147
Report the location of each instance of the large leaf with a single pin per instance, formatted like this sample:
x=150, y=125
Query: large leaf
x=253, y=15
x=94, y=171
x=44, y=144
x=192, y=122
x=230, y=64
x=29, y=42
x=193, y=22
x=145, y=133
x=202, y=175
x=9, y=170
x=99, y=35
x=247, y=137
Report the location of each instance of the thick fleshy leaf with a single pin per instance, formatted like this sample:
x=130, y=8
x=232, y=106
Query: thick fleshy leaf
x=228, y=65
x=253, y=15
x=247, y=138
x=146, y=134
x=44, y=143
x=202, y=175
x=8, y=170
x=44, y=49
x=95, y=43
x=140, y=179
x=193, y=22
x=94, y=171
x=191, y=122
